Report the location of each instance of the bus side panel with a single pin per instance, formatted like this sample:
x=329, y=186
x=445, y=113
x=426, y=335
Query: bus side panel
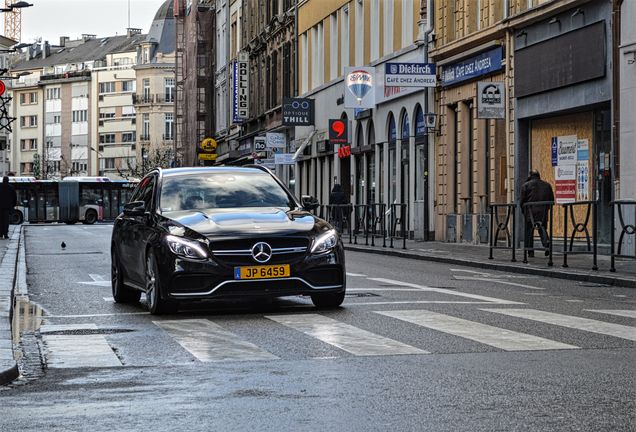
x=69, y=201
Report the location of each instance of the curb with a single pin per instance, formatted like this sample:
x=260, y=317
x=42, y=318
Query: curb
x=8, y=276
x=558, y=274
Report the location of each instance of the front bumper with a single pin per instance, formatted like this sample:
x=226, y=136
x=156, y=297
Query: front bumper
x=185, y=279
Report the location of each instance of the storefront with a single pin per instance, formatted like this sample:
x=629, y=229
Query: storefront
x=472, y=147
x=563, y=111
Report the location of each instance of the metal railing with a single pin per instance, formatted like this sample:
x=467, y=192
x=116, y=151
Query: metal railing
x=398, y=216
x=627, y=228
x=591, y=211
x=540, y=226
x=503, y=224
x=339, y=215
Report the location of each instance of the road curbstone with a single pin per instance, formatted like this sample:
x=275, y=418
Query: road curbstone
x=8, y=270
x=581, y=276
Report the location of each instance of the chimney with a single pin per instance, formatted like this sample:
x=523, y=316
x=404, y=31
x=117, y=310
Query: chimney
x=46, y=49
x=133, y=31
x=63, y=40
x=86, y=37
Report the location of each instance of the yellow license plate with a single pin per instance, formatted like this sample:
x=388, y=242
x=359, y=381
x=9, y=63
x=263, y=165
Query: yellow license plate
x=262, y=272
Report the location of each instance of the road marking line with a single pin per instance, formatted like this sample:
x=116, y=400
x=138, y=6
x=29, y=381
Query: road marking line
x=504, y=282
x=209, y=342
x=344, y=336
x=109, y=299
x=622, y=313
x=76, y=351
x=382, y=289
x=446, y=291
x=470, y=271
x=96, y=315
x=356, y=274
x=506, y=340
x=416, y=302
x=574, y=301
x=585, y=324
x=98, y=280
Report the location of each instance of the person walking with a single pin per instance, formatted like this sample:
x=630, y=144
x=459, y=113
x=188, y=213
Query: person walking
x=536, y=190
x=337, y=198
x=8, y=199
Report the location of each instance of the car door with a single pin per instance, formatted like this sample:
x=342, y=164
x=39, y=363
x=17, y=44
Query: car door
x=136, y=232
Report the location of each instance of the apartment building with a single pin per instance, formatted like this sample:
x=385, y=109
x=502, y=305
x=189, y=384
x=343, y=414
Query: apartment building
x=389, y=147
x=155, y=91
x=25, y=147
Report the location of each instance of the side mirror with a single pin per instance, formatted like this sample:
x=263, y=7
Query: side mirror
x=309, y=203
x=135, y=208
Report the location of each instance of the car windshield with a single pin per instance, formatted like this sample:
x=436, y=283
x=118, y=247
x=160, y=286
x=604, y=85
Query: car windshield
x=221, y=190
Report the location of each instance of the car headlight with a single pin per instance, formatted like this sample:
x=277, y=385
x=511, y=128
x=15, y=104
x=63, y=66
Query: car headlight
x=325, y=242
x=186, y=248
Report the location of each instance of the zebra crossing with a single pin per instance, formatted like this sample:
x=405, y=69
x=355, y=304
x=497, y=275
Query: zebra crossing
x=215, y=340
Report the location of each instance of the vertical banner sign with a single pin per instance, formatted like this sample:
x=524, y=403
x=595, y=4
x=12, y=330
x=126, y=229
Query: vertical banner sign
x=240, y=91
x=491, y=100
x=566, y=169
x=360, y=92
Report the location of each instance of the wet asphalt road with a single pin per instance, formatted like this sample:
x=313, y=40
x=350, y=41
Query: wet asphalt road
x=130, y=371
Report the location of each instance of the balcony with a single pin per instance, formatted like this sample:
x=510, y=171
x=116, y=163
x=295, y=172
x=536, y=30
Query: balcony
x=144, y=138
x=148, y=99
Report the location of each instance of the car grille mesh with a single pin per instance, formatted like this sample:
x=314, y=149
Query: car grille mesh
x=238, y=252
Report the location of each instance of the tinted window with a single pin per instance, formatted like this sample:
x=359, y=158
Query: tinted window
x=222, y=190
x=144, y=191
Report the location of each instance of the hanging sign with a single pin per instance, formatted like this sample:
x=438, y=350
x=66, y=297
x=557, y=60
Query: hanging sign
x=240, y=91
x=360, y=91
x=409, y=75
x=344, y=152
x=275, y=140
x=298, y=112
x=491, y=100
x=338, y=133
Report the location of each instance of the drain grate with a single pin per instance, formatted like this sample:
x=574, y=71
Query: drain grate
x=85, y=332
x=362, y=294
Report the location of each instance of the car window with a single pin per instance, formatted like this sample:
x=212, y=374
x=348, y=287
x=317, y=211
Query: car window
x=144, y=191
x=202, y=191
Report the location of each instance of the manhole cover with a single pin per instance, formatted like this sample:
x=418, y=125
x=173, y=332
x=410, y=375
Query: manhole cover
x=362, y=294
x=84, y=332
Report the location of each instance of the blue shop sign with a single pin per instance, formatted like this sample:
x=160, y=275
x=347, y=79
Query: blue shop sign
x=473, y=67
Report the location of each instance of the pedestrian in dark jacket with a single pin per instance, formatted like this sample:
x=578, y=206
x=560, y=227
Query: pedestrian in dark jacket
x=536, y=190
x=8, y=199
x=337, y=198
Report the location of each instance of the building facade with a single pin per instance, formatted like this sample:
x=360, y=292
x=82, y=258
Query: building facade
x=390, y=155
x=627, y=91
x=5, y=136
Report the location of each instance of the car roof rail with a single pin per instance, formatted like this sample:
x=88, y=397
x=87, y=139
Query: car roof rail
x=260, y=167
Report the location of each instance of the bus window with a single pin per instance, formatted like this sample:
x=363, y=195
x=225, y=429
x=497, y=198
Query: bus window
x=51, y=201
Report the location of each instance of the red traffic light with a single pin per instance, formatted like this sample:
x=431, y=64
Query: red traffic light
x=3, y=87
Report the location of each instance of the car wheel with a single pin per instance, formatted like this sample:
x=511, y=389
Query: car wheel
x=328, y=301
x=121, y=293
x=156, y=304
x=90, y=217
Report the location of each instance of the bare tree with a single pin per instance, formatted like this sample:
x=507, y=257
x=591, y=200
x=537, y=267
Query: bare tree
x=156, y=158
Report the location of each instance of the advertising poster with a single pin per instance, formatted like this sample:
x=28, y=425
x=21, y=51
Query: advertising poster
x=567, y=149
x=583, y=150
x=582, y=181
x=565, y=179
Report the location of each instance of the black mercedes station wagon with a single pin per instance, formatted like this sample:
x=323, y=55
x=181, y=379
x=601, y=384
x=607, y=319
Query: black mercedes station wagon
x=207, y=233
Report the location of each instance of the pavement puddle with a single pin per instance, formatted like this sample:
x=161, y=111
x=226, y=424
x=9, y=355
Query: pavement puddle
x=27, y=317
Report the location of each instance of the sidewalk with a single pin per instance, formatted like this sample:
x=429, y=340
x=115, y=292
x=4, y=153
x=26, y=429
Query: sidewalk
x=8, y=256
x=465, y=254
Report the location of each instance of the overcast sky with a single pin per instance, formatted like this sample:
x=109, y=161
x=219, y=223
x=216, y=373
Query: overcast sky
x=50, y=19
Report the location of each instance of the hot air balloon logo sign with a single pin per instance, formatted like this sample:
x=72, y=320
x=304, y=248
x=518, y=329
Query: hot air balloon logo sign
x=360, y=83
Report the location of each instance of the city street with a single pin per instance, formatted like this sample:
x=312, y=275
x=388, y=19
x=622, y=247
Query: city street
x=416, y=346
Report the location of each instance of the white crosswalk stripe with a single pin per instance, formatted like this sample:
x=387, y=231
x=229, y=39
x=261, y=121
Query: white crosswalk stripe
x=573, y=322
x=209, y=342
x=77, y=350
x=344, y=336
x=494, y=336
x=628, y=313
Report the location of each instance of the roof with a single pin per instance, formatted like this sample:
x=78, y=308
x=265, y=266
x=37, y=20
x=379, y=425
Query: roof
x=162, y=30
x=92, y=49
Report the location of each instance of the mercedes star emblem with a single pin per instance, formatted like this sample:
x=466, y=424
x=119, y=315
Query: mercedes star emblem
x=261, y=252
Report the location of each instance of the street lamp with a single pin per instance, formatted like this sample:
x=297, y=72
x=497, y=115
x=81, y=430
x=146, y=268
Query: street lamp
x=16, y=5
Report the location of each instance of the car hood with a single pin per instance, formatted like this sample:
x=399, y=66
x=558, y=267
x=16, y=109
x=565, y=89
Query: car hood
x=244, y=221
